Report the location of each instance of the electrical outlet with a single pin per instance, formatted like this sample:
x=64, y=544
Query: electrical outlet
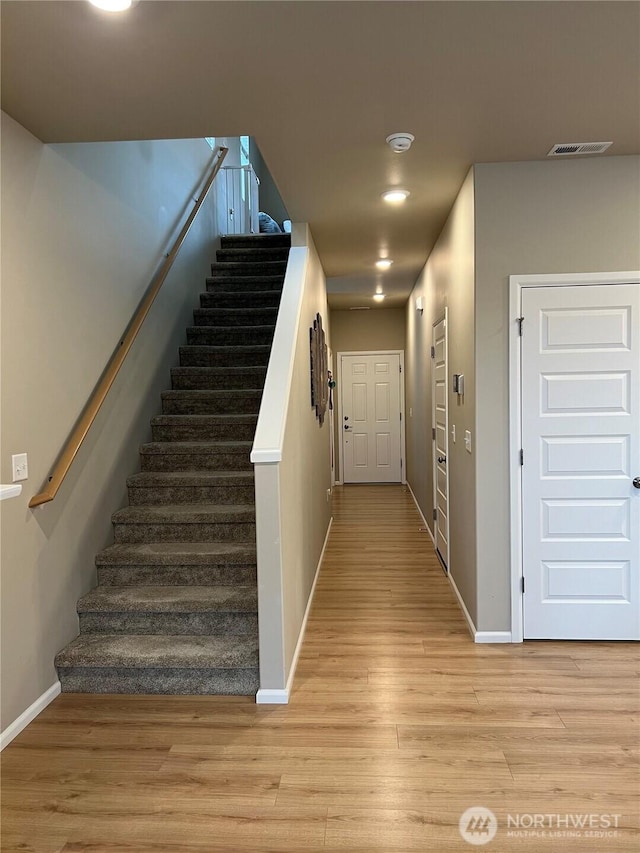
x=20, y=467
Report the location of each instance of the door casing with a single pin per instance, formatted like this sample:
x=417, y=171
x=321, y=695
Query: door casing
x=516, y=285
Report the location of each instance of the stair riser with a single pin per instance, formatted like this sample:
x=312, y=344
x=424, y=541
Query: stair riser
x=195, y=461
x=246, y=317
x=248, y=270
x=195, y=494
x=218, y=404
x=210, y=624
x=248, y=299
x=223, y=336
x=228, y=284
x=198, y=532
x=172, y=681
x=230, y=575
x=211, y=380
x=251, y=254
x=224, y=356
x=242, y=241
x=204, y=432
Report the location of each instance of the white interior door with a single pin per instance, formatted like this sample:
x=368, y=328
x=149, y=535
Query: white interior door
x=580, y=414
x=440, y=435
x=371, y=418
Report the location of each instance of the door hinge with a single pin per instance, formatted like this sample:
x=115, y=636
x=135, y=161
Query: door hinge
x=433, y=352
x=522, y=457
x=520, y=321
x=433, y=433
x=522, y=584
x=435, y=514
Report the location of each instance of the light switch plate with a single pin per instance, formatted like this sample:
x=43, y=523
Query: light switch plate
x=467, y=440
x=453, y=433
x=19, y=467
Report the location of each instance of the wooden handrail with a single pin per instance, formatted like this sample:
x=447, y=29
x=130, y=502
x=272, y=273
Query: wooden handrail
x=69, y=451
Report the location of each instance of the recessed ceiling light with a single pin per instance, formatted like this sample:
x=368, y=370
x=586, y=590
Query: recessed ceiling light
x=378, y=297
x=395, y=196
x=112, y=5
x=384, y=263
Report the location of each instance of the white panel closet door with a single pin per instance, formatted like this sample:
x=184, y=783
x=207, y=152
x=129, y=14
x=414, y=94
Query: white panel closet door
x=581, y=442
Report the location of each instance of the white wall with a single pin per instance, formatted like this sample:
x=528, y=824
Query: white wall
x=84, y=227
x=447, y=280
x=292, y=511
x=565, y=216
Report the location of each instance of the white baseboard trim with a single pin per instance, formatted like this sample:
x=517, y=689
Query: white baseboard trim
x=463, y=607
x=479, y=636
x=13, y=730
x=279, y=696
x=408, y=485
x=267, y=696
x=493, y=637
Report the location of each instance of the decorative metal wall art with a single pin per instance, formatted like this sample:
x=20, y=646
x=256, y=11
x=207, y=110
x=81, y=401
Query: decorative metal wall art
x=319, y=385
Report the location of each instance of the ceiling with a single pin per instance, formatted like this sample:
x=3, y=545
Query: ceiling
x=321, y=84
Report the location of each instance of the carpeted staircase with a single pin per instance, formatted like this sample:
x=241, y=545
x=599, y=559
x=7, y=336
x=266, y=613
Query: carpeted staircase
x=175, y=610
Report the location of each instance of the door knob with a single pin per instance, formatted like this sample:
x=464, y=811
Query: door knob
x=346, y=426
x=444, y=459
x=636, y=483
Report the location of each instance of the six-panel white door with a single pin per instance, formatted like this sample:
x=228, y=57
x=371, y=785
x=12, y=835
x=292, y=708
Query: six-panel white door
x=581, y=452
x=371, y=425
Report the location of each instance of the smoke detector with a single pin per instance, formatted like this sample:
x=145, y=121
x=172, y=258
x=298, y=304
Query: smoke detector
x=400, y=142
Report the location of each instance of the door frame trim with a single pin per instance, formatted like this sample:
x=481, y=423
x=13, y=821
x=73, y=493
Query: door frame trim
x=442, y=317
x=400, y=352
x=517, y=283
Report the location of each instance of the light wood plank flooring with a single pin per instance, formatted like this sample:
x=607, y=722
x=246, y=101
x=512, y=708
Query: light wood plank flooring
x=398, y=723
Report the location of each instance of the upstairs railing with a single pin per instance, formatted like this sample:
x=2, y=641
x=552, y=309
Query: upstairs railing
x=74, y=442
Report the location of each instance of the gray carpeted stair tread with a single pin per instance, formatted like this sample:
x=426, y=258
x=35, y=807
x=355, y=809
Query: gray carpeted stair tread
x=229, y=335
x=186, y=514
x=170, y=599
x=158, y=479
x=218, y=394
x=251, y=254
x=247, y=269
x=242, y=317
x=188, y=447
x=194, y=378
x=229, y=241
x=246, y=298
x=175, y=420
x=210, y=355
x=176, y=554
x=241, y=284
x=211, y=401
x=160, y=651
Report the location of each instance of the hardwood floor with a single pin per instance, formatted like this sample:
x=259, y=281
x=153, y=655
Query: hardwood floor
x=398, y=723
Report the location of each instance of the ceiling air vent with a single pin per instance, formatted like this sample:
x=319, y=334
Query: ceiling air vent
x=564, y=149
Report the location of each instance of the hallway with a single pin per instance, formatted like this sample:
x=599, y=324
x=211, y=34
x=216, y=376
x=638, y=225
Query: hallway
x=397, y=724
